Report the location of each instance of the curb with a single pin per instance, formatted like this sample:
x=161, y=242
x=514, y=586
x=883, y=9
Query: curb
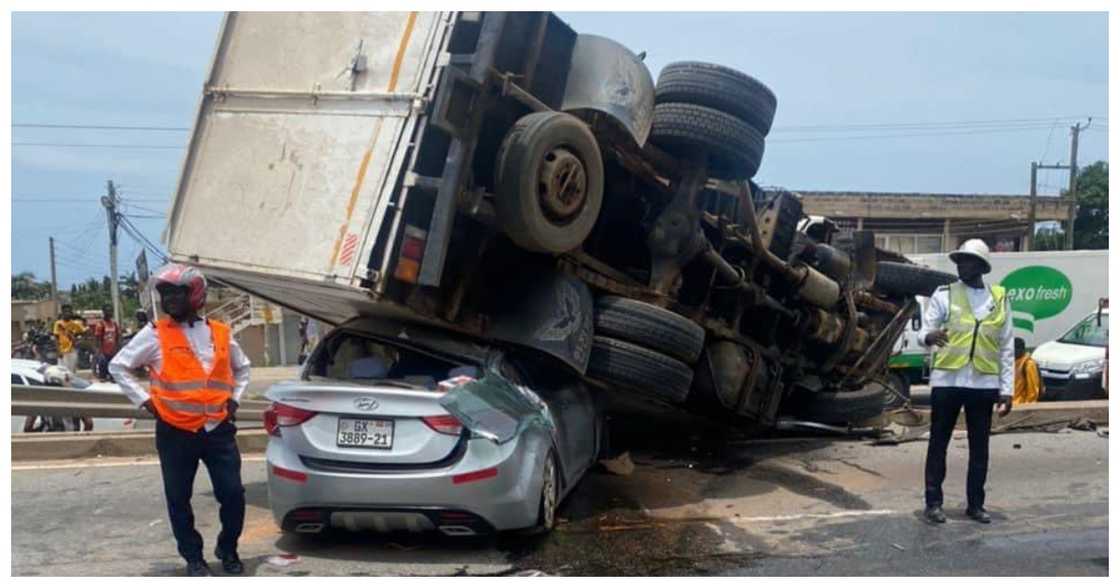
x=46, y=446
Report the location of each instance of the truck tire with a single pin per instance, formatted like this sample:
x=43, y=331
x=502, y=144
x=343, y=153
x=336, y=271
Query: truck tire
x=909, y=279
x=649, y=326
x=844, y=406
x=734, y=147
x=718, y=87
x=549, y=182
x=639, y=369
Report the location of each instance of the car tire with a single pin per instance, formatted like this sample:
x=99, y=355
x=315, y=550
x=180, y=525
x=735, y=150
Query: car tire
x=549, y=182
x=909, y=279
x=734, y=148
x=649, y=326
x=549, y=499
x=722, y=88
x=844, y=406
x=639, y=369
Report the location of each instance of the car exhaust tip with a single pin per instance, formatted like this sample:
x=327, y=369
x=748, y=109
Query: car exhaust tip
x=309, y=528
x=456, y=530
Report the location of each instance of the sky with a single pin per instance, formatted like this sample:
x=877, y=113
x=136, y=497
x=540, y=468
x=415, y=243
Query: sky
x=914, y=102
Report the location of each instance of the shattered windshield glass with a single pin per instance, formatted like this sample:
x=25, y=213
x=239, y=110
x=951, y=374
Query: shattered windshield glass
x=496, y=409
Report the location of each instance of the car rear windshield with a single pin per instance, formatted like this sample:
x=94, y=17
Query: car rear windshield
x=355, y=358
x=1088, y=332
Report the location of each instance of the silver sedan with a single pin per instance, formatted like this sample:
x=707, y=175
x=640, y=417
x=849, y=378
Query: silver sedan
x=406, y=428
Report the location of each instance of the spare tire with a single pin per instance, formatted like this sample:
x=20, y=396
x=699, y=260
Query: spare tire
x=649, y=326
x=549, y=182
x=718, y=87
x=734, y=147
x=639, y=369
x=909, y=279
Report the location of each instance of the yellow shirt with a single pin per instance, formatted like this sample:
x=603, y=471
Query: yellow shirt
x=65, y=331
x=1028, y=384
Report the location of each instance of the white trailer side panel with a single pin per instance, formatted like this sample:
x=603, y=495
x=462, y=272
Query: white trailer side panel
x=300, y=140
x=1086, y=272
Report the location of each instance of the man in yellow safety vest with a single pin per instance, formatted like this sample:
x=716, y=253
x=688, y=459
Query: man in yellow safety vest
x=973, y=368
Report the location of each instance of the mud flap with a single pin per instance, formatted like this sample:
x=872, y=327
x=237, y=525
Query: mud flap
x=547, y=311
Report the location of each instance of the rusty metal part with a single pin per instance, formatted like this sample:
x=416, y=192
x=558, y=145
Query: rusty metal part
x=607, y=77
x=827, y=328
x=757, y=244
x=602, y=277
x=866, y=300
x=513, y=90
x=676, y=238
x=883, y=342
x=846, y=338
x=816, y=288
x=563, y=184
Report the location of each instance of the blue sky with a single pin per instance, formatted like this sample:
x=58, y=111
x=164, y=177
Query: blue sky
x=830, y=71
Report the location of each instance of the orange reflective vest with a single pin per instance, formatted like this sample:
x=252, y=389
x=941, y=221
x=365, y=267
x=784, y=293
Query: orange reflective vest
x=183, y=394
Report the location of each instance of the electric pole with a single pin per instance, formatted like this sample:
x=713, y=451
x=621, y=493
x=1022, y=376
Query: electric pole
x=1075, y=130
x=54, y=283
x=1028, y=243
x=110, y=204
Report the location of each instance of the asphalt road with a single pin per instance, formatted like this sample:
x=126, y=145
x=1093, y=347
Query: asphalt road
x=778, y=508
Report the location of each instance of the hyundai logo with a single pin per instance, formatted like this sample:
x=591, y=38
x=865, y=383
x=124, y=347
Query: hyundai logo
x=366, y=403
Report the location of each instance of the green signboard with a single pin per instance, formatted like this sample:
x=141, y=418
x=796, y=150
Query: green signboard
x=1036, y=292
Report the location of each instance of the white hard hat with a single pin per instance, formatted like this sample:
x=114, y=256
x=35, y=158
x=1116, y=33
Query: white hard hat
x=976, y=248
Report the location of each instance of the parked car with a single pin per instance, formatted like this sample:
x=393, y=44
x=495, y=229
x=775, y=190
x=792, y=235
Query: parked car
x=1073, y=365
x=401, y=427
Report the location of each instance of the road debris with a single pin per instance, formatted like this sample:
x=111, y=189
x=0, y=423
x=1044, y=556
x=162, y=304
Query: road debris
x=898, y=547
x=619, y=466
x=283, y=560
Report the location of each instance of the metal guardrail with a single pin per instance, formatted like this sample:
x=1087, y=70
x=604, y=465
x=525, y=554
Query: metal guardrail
x=67, y=402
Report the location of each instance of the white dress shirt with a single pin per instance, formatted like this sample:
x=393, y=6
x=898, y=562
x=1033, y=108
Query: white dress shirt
x=980, y=299
x=144, y=351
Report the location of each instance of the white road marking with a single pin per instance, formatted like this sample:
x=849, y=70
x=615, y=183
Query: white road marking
x=830, y=515
x=115, y=464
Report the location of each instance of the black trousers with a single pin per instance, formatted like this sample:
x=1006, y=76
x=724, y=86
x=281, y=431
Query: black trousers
x=946, y=404
x=179, y=454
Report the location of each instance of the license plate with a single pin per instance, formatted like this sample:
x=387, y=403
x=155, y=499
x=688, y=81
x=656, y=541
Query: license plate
x=373, y=433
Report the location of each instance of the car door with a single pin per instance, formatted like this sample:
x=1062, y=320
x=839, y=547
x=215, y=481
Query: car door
x=572, y=408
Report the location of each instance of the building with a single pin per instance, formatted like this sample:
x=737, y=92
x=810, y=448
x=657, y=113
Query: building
x=936, y=223
x=26, y=313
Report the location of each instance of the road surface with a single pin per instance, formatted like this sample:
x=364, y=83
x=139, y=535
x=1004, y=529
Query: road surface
x=784, y=507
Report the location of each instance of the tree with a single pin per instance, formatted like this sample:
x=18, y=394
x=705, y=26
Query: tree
x=1090, y=225
x=1090, y=229
x=26, y=287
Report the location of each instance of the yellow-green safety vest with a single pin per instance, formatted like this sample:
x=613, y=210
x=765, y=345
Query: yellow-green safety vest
x=972, y=340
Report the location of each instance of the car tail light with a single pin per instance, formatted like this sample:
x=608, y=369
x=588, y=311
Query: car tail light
x=289, y=474
x=444, y=423
x=412, y=251
x=305, y=515
x=281, y=415
x=475, y=476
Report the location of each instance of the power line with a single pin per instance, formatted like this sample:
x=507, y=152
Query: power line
x=98, y=145
x=901, y=135
x=929, y=125
x=97, y=127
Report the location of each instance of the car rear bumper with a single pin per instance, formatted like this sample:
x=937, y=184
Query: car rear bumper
x=410, y=500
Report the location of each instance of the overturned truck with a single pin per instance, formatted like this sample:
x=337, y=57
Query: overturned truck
x=501, y=176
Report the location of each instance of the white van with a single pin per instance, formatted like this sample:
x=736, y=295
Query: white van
x=1073, y=365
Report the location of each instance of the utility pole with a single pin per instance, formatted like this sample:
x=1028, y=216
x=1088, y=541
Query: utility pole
x=110, y=204
x=1028, y=244
x=54, y=283
x=1075, y=130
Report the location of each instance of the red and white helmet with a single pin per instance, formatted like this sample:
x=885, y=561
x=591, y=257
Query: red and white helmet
x=178, y=274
